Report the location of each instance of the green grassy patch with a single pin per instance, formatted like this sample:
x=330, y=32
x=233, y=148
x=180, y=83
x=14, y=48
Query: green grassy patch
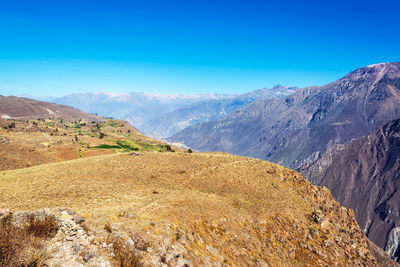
x=105, y=146
x=128, y=145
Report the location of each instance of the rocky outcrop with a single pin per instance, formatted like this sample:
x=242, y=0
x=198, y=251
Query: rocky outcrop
x=332, y=236
x=66, y=241
x=364, y=176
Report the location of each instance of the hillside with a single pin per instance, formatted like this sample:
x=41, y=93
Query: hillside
x=161, y=116
x=31, y=135
x=363, y=175
x=194, y=209
x=12, y=107
x=299, y=128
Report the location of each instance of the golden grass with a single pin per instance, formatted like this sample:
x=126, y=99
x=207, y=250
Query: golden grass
x=185, y=190
x=245, y=208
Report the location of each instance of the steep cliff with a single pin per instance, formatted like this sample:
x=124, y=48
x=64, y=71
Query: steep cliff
x=364, y=175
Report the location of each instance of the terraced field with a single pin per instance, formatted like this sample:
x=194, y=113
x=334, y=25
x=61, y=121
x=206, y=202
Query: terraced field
x=25, y=143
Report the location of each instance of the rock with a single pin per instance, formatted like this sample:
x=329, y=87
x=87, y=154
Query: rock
x=5, y=212
x=183, y=263
x=135, y=153
x=69, y=246
x=316, y=216
x=325, y=224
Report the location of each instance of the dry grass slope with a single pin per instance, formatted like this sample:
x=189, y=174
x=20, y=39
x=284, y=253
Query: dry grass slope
x=210, y=206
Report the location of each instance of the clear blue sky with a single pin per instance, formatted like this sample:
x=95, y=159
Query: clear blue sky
x=64, y=46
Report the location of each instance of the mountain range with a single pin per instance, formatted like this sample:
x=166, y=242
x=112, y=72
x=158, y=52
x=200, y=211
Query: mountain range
x=160, y=115
x=299, y=128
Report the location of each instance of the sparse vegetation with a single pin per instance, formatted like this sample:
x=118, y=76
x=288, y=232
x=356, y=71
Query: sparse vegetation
x=170, y=195
x=108, y=227
x=45, y=228
x=124, y=254
x=24, y=246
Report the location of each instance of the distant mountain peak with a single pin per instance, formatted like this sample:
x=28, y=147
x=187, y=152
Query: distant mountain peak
x=278, y=86
x=377, y=65
x=386, y=67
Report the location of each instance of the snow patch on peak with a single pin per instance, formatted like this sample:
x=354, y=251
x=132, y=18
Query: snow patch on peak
x=376, y=65
x=109, y=94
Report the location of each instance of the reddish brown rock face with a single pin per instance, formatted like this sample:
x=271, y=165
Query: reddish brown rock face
x=364, y=175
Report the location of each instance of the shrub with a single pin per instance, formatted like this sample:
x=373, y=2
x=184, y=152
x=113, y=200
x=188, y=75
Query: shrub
x=18, y=247
x=190, y=151
x=46, y=228
x=125, y=254
x=108, y=227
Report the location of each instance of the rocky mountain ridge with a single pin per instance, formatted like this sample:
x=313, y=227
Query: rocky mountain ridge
x=364, y=176
x=299, y=128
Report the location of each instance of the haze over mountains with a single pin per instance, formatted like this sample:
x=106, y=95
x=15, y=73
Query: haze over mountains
x=160, y=115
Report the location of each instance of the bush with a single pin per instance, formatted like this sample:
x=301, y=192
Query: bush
x=190, y=151
x=18, y=247
x=46, y=228
x=125, y=254
x=108, y=227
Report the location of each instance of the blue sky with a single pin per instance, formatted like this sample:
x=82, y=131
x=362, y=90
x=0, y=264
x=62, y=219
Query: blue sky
x=67, y=46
